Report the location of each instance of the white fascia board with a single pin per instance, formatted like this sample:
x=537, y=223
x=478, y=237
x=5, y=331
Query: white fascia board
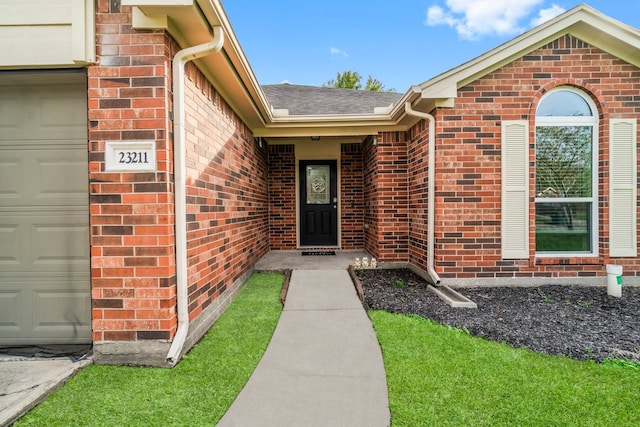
x=314, y=129
x=157, y=3
x=214, y=11
x=332, y=119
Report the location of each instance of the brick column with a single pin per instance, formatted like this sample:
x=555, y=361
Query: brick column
x=391, y=200
x=352, y=202
x=282, y=197
x=132, y=222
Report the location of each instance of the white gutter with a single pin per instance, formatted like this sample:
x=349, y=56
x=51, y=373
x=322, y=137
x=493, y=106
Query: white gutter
x=182, y=284
x=431, y=214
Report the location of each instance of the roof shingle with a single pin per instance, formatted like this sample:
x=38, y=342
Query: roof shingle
x=312, y=100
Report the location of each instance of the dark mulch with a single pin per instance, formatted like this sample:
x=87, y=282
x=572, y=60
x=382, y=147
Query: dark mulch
x=576, y=321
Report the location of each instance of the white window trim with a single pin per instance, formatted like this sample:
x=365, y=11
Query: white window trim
x=577, y=121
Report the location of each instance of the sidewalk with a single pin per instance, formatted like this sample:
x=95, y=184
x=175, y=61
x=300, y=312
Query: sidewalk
x=323, y=366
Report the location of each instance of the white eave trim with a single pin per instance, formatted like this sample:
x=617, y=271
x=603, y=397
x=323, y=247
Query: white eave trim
x=330, y=118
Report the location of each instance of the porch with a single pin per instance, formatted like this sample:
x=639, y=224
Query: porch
x=295, y=260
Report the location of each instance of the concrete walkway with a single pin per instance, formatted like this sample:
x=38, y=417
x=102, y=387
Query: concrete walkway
x=26, y=382
x=323, y=366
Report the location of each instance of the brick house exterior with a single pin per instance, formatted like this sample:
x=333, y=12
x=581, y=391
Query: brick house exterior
x=243, y=186
x=468, y=187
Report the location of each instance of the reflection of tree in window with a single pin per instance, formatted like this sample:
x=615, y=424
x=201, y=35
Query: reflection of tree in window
x=563, y=164
x=564, y=173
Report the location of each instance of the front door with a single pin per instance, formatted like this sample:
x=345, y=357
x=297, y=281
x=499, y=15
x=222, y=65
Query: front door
x=318, y=203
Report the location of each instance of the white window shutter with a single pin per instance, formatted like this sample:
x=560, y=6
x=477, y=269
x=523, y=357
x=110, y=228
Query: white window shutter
x=515, y=189
x=622, y=187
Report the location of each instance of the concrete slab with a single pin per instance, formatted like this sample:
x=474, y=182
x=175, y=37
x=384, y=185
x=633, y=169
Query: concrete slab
x=452, y=297
x=294, y=260
x=326, y=290
x=26, y=382
x=326, y=344
x=323, y=366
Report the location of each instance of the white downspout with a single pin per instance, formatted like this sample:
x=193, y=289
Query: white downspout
x=431, y=214
x=182, y=296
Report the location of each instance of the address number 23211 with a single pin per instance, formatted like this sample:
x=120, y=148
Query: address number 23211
x=129, y=157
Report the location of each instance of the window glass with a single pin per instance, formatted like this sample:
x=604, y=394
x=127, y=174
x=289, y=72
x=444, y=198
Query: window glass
x=564, y=156
x=565, y=147
x=318, y=187
x=563, y=227
x=564, y=103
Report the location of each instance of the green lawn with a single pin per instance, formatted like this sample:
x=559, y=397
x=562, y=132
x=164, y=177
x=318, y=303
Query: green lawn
x=441, y=376
x=437, y=376
x=197, y=392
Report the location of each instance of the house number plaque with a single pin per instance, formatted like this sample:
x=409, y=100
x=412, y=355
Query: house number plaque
x=130, y=156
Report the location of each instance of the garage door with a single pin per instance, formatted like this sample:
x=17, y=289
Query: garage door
x=44, y=213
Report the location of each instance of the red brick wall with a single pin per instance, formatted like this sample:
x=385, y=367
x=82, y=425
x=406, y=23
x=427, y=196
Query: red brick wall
x=370, y=168
x=227, y=208
x=282, y=197
x=467, y=200
x=418, y=154
x=131, y=214
x=386, y=197
x=370, y=181
x=351, y=196
x=468, y=157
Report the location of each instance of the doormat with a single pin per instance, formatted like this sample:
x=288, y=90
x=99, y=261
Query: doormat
x=318, y=253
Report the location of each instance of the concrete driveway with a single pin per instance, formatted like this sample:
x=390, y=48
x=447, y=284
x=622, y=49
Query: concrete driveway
x=26, y=381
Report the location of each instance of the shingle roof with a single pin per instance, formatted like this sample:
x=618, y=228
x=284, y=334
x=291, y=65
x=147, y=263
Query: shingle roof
x=313, y=100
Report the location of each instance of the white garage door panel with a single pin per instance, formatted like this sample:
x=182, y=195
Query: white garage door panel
x=10, y=319
x=35, y=241
x=51, y=310
x=54, y=114
x=10, y=177
x=62, y=313
x=40, y=177
x=9, y=115
x=61, y=245
x=62, y=178
x=44, y=211
x=10, y=248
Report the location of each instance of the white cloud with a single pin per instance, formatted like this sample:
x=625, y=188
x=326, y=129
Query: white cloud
x=334, y=51
x=547, y=14
x=473, y=19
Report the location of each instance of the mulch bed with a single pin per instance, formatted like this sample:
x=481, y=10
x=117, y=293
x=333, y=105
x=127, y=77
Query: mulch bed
x=575, y=321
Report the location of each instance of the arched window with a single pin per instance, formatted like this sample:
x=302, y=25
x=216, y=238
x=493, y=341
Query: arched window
x=566, y=174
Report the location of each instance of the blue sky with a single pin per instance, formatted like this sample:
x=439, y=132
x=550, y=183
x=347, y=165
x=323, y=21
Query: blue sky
x=401, y=42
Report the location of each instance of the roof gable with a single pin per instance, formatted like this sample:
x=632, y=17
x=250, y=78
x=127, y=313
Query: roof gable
x=582, y=22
